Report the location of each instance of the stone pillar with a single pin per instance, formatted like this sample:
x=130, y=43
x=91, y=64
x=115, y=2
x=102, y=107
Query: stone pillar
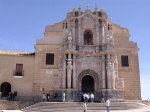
x=97, y=32
x=69, y=71
x=109, y=72
x=74, y=72
x=64, y=72
x=73, y=31
x=113, y=80
x=103, y=33
x=113, y=72
x=103, y=72
x=79, y=31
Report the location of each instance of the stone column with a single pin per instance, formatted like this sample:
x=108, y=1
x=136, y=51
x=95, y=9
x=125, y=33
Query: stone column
x=97, y=32
x=109, y=72
x=103, y=72
x=73, y=31
x=113, y=71
x=74, y=71
x=69, y=71
x=79, y=31
x=64, y=72
x=103, y=33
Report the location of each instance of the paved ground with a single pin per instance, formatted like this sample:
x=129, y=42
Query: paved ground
x=144, y=109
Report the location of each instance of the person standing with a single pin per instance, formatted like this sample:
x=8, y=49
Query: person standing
x=48, y=97
x=148, y=101
x=44, y=97
x=10, y=96
x=63, y=97
x=102, y=98
x=0, y=95
x=84, y=96
x=92, y=97
x=107, y=104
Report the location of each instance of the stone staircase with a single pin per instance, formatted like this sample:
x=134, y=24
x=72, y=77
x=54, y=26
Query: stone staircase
x=78, y=106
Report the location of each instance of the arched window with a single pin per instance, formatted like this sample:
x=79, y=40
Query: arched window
x=88, y=37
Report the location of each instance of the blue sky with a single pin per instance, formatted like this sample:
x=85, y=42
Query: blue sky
x=24, y=21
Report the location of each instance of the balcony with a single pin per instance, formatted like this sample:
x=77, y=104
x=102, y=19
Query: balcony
x=18, y=74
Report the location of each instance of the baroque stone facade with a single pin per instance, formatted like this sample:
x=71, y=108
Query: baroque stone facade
x=85, y=52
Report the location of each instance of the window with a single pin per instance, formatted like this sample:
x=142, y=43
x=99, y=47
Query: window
x=49, y=59
x=124, y=61
x=88, y=37
x=19, y=70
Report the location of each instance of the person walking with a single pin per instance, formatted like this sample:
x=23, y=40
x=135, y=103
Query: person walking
x=85, y=107
x=107, y=105
x=84, y=97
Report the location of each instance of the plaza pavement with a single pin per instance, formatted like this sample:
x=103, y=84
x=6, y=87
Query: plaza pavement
x=144, y=109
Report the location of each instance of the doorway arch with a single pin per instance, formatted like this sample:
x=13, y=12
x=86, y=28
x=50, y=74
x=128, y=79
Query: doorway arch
x=5, y=88
x=88, y=84
x=91, y=73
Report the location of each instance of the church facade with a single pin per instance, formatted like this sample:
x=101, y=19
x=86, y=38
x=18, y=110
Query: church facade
x=84, y=53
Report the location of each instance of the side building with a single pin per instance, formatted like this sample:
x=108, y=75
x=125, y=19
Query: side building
x=85, y=53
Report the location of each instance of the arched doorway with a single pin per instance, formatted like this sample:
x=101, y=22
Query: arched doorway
x=5, y=88
x=88, y=84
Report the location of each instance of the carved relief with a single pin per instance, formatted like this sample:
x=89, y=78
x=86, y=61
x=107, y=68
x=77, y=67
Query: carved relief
x=56, y=81
x=119, y=83
x=61, y=60
x=88, y=62
x=109, y=39
x=88, y=22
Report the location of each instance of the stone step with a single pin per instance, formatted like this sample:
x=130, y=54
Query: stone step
x=78, y=106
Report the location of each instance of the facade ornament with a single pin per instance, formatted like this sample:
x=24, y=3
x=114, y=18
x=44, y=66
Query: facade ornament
x=109, y=66
x=56, y=81
x=87, y=9
x=96, y=8
x=69, y=66
x=69, y=37
x=119, y=83
x=102, y=9
x=79, y=8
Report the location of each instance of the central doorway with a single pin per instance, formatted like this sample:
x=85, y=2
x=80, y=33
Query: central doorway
x=88, y=84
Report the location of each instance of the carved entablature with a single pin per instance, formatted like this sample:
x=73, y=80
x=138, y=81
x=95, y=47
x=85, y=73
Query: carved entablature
x=89, y=62
x=88, y=22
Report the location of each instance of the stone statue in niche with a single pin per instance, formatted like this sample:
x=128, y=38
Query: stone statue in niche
x=109, y=66
x=109, y=39
x=69, y=38
x=69, y=66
